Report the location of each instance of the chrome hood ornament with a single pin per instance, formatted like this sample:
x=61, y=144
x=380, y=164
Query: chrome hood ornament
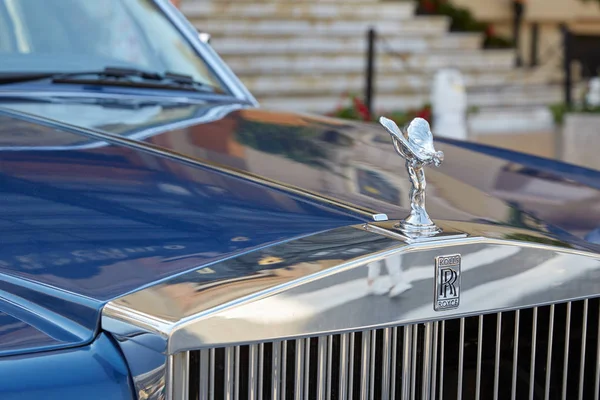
x=416, y=147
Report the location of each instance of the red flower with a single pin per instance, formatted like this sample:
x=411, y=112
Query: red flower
x=489, y=31
x=425, y=113
x=361, y=109
x=429, y=6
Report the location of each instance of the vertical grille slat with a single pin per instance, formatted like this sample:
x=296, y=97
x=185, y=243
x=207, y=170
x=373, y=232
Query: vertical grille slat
x=406, y=362
x=344, y=359
x=365, y=360
x=413, y=368
x=566, y=352
x=533, y=353
x=442, y=353
x=497, y=355
x=434, y=363
x=427, y=366
x=513, y=389
x=550, y=352
x=461, y=358
x=386, y=364
x=299, y=370
x=479, y=355
x=321, y=368
x=394, y=381
x=583, y=347
x=276, y=367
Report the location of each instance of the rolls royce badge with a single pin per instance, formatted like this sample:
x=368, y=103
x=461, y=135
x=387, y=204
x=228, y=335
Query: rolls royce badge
x=447, y=282
x=416, y=147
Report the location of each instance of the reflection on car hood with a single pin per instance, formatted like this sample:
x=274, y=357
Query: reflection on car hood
x=353, y=162
x=86, y=221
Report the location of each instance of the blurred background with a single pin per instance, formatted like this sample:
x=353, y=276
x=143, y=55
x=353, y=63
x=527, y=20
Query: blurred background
x=515, y=74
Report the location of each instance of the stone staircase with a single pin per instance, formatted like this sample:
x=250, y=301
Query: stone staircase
x=304, y=55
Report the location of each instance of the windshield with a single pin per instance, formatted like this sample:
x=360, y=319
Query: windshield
x=82, y=35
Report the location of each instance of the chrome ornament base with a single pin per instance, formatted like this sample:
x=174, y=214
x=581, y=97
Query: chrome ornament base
x=413, y=230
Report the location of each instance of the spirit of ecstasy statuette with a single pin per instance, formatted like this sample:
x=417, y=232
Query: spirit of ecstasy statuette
x=416, y=147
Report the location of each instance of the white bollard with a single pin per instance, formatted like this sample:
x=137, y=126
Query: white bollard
x=449, y=104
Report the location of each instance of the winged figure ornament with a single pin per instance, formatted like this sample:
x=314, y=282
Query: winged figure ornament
x=415, y=145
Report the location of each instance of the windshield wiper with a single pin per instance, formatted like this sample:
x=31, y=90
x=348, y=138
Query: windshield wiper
x=117, y=76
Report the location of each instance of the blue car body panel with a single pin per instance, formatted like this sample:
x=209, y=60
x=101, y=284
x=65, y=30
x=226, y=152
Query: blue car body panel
x=82, y=226
x=94, y=371
x=86, y=220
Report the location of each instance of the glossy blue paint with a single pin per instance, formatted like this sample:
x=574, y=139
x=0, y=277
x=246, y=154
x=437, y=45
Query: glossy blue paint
x=95, y=371
x=85, y=220
x=81, y=226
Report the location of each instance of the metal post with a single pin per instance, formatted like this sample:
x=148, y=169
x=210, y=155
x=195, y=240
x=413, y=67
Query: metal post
x=518, y=9
x=534, y=45
x=568, y=84
x=370, y=69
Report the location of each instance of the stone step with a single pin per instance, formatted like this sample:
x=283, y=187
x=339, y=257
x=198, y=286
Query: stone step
x=491, y=60
x=526, y=96
x=394, y=11
x=387, y=82
x=219, y=26
x=498, y=120
x=311, y=44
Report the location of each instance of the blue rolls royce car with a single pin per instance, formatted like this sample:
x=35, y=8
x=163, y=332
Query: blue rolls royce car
x=164, y=237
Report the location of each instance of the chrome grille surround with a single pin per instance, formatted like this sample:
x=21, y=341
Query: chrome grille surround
x=177, y=328
x=410, y=362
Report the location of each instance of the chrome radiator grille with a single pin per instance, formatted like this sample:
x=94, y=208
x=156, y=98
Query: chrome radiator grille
x=549, y=352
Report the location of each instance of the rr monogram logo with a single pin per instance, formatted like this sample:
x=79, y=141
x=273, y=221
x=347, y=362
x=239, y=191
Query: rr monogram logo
x=447, y=282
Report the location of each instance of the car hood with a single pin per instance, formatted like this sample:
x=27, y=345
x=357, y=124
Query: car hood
x=88, y=220
x=352, y=162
